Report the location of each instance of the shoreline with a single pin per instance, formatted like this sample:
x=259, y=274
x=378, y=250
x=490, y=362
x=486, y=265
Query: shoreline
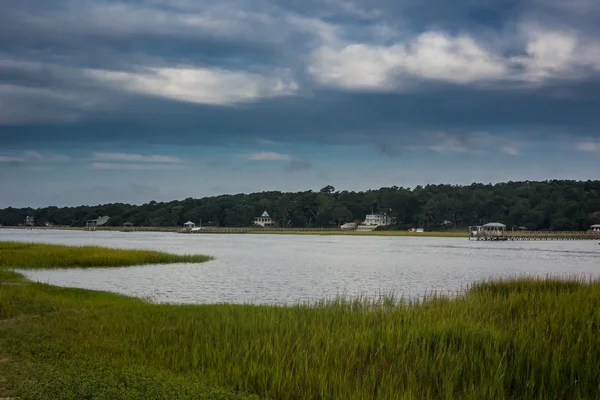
x=253, y=231
x=510, y=235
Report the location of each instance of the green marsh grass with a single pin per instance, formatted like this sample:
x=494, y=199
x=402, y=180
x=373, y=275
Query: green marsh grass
x=34, y=255
x=514, y=339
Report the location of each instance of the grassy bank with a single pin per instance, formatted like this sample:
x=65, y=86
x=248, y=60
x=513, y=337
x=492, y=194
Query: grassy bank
x=33, y=255
x=524, y=339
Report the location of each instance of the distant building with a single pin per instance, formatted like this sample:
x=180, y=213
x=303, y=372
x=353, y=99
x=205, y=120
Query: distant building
x=189, y=225
x=349, y=226
x=378, y=219
x=92, y=223
x=489, y=230
x=29, y=220
x=264, y=220
x=595, y=227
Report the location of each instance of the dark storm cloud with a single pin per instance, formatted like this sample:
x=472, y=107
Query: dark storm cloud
x=387, y=119
x=109, y=71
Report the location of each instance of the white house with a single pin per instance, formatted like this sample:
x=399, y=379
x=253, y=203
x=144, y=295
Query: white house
x=378, y=219
x=189, y=225
x=264, y=220
x=97, y=222
x=595, y=227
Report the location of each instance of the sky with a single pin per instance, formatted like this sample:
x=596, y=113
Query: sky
x=138, y=100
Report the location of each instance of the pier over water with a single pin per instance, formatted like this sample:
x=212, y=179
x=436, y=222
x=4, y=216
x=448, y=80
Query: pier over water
x=495, y=231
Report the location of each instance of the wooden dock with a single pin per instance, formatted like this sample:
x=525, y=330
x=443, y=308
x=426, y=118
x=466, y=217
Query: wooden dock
x=535, y=235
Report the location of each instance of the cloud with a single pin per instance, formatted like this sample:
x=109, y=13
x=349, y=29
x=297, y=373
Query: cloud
x=431, y=55
x=33, y=92
x=549, y=52
x=455, y=59
x=21, y=105
x=384, y=74
x=269, y=156
x=28, y=156
x=127, y=157
x=468, y=143
x=447, y=143
x=197, y=85
x=387, y=147
x=38, y=169
x=552, y=53
x=33, y=157
x=509, y=150
x=588, y=147
x=133, y=167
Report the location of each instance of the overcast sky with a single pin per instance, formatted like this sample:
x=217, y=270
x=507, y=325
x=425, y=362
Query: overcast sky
x=139, y=100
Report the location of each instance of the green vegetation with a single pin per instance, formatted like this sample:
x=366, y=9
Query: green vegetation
x=519, y=339
x=549, y=205
x=33, y=255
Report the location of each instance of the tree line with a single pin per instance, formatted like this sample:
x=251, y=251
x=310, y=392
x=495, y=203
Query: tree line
x=547, y=205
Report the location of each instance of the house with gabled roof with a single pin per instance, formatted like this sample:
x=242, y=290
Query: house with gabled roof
x=264, y=220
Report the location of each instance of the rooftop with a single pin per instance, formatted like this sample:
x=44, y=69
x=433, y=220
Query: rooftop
x=494, y=225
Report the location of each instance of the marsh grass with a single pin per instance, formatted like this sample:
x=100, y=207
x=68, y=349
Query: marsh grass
x=34, y=255
x=515, y=339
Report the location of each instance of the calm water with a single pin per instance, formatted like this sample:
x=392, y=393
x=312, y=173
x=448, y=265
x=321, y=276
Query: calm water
x=286, y=269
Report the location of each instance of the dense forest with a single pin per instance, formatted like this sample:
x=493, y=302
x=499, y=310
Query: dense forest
x=554, y=205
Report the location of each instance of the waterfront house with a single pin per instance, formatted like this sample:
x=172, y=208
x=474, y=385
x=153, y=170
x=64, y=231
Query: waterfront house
x=378, y=219
x=595, y=228
x=264, y=220
x=189, y=225
x=92, y=223
x=29, y=221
